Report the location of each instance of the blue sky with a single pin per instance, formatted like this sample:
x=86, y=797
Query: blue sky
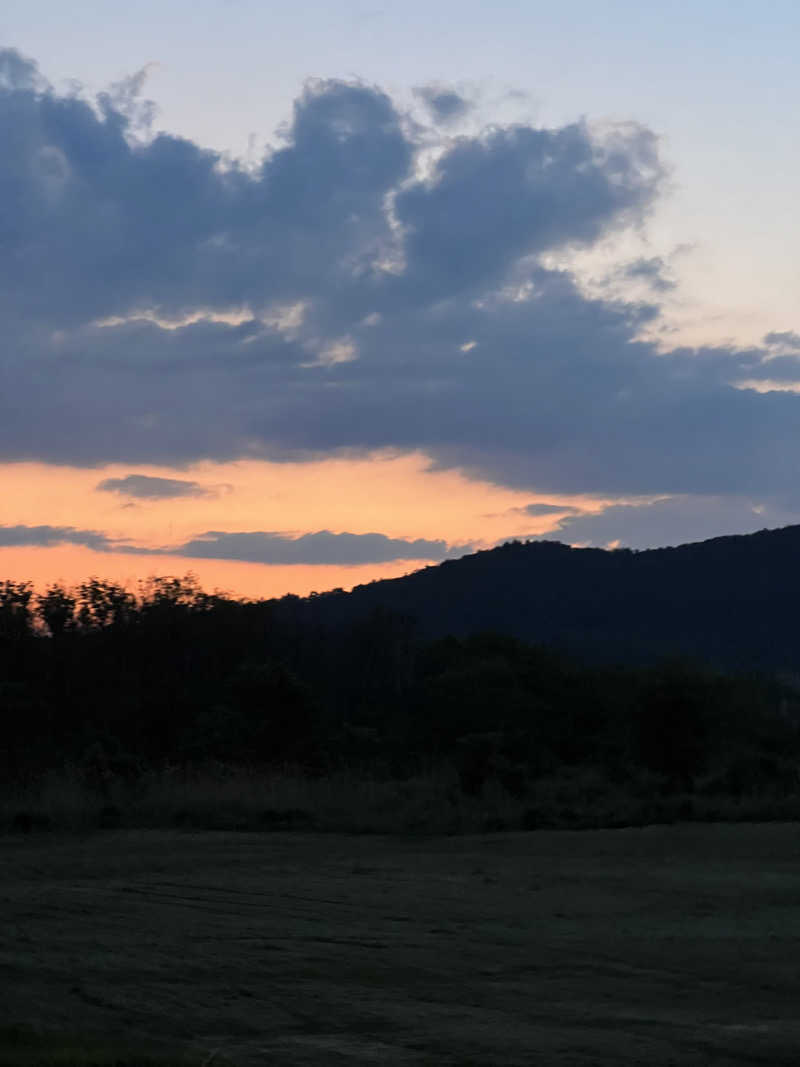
x=546, y=250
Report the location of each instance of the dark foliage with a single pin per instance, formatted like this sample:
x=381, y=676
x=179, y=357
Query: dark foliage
x=116, y=685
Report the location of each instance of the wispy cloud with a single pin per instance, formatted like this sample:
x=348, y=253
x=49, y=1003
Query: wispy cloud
x=654, y=271
x=547, y=509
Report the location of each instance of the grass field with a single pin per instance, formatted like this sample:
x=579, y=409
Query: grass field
x=662, y=945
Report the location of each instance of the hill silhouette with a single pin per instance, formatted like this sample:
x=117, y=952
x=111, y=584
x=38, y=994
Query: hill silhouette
x=730, y=601
x=543, y=672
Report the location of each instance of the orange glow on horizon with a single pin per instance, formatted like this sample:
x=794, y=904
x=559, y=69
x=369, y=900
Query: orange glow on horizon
x=395, y=495
x=70, y=564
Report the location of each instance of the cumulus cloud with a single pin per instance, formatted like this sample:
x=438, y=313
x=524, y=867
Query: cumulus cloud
x=516, y=192
x=144, y=487
x=163, y=304
x=321, y=547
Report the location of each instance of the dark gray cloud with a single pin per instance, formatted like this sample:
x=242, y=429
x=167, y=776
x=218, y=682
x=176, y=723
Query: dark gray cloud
x=321, y=547
x=18, y=72
x=144, y=487
x=786, y=339
x=674, y=521
x=516, y=192
x=99, y=224
x=546, y=509
x=47, y=536
x=445, y=104
x=376, y=307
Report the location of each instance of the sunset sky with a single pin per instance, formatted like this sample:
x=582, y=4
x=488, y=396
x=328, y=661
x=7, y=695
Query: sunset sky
x=295, y=296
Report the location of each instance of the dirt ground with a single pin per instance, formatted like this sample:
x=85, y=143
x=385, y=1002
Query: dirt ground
x=664, y=945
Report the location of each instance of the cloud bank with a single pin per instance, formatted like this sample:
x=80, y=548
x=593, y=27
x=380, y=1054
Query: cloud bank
x=47, y=536
x=674, y=521
x=322, y=547
x=358, y=289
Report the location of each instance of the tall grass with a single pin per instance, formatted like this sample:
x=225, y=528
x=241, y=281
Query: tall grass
x=220, y=797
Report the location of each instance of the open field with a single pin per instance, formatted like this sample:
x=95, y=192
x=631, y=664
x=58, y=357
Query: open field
x=661, y=945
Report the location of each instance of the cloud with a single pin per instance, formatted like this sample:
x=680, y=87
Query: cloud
x=675, y=520
x=143, y=487
x=18, y=72
x=518, y=191
x=322, y=547
x=785, y=341
x=117, y=224
x=546, y=509
x=445, y=105
x=653, y=271
x=147, y=287
x=47, y=536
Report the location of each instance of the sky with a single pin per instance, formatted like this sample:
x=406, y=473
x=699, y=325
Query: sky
x=297, y=296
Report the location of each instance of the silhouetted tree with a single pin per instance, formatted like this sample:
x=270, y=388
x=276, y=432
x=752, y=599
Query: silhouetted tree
x=56, y=609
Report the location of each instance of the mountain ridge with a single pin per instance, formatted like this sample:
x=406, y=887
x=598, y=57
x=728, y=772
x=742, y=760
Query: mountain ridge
x=729, y=600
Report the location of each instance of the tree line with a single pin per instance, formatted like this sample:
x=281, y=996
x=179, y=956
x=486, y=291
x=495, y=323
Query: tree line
x=116, y=682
